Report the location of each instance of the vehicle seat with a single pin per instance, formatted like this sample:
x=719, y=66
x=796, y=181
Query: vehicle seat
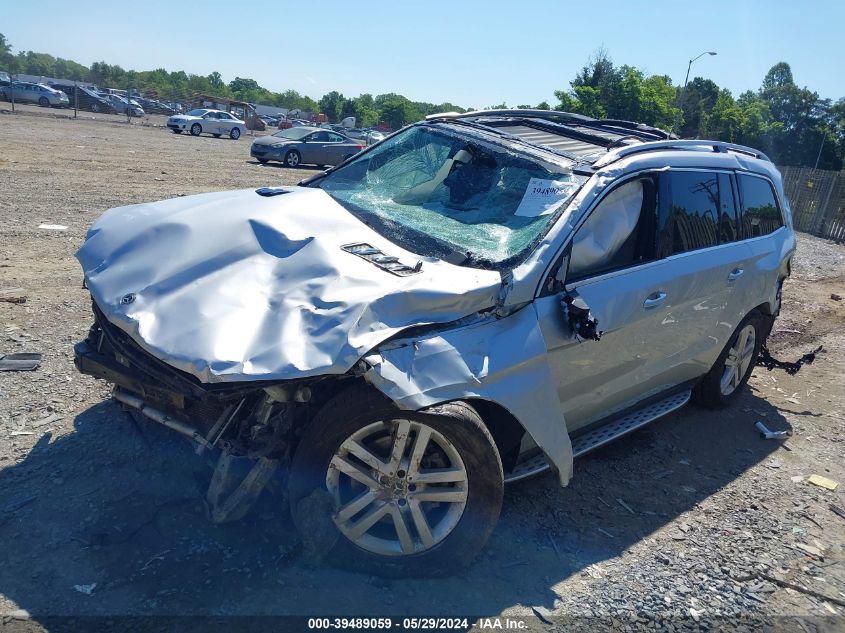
x=422, y=192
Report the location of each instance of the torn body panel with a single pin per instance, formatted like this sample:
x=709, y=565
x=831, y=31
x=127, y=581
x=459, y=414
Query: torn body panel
x=501, y=360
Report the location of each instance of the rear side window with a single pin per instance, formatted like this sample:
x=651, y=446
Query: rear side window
x=760, y=212
x=692, y=214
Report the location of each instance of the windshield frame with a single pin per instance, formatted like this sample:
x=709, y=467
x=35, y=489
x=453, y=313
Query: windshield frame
x=409, y=238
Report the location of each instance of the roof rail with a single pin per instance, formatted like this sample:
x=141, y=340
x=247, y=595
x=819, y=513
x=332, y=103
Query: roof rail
x=552, y=115
x=679, y=144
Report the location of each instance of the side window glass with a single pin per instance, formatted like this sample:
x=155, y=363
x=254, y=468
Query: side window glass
x=618, y=233
x=728, y=220
x=760, y=212
x=693, y=211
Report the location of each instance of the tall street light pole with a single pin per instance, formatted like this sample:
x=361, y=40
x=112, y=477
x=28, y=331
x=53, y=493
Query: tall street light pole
x=686, y=80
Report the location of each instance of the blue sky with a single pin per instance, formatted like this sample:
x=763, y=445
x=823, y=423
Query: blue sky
x=470, y=53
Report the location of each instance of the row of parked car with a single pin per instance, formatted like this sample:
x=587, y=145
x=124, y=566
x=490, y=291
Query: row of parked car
x=87, y=98
x=294, y=146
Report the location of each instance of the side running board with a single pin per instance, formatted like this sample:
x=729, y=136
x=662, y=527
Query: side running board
x=604, y=434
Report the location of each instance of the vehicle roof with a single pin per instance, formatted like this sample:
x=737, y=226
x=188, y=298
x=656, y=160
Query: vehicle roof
x=592, y=143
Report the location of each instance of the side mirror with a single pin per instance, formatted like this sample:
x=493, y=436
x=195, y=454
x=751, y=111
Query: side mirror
x=581, y=321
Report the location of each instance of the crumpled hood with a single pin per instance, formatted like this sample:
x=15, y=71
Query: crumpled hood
x=234, y=286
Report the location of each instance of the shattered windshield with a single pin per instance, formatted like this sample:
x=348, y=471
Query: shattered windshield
x=439, y=192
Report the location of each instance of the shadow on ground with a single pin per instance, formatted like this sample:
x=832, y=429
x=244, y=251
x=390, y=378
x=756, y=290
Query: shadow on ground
x=115, y=509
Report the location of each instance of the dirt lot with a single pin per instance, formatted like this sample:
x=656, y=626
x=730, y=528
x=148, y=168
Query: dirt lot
x=681, y=526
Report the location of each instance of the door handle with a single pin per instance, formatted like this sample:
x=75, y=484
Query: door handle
x=654, y=299
x=735, y=273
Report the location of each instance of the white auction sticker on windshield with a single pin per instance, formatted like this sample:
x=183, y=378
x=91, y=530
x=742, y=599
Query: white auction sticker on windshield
x=543, y=196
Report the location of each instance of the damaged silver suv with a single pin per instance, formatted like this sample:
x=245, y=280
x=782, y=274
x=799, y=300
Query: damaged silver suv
x=474, y=300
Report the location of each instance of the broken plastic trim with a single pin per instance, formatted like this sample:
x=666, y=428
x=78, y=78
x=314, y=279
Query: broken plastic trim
x=765, y=359
x=581, y=321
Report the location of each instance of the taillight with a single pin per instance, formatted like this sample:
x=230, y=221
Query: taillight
x=359, y=147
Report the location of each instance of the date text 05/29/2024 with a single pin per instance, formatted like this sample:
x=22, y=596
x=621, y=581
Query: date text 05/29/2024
x=417, y=624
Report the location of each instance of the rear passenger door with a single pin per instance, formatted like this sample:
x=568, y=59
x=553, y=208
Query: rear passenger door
x=701, y=238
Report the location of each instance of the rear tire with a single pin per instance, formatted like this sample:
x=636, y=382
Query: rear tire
x=95, y=107
x=456, y=447
x=733, y=367
x=196, y=129
x=235, y=134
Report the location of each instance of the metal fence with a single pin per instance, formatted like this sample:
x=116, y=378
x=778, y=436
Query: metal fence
x=817, y=199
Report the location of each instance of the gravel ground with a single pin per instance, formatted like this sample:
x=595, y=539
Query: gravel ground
x=692, y=523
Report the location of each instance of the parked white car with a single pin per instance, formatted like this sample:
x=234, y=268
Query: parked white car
x=205, y=121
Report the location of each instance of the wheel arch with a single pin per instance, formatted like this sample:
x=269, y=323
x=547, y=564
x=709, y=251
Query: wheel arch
x=504, y=426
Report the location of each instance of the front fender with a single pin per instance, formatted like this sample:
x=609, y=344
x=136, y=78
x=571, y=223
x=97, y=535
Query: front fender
x=502, y=360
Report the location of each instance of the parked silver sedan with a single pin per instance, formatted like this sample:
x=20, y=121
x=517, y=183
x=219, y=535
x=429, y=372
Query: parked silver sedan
x=205, y=121
x=35, y=93
x=305, y=146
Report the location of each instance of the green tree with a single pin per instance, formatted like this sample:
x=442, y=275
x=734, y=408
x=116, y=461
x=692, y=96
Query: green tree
x=699, y=98
x=215, y=81
x=7, y=60
x=398, y=112
x=724, y=121
x=331, y=104
x=239, y=84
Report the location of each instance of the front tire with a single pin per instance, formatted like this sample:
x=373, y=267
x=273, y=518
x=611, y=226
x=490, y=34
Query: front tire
x=398, y=493
x=235, y=134
x=196, y=129
x=733, y=367
x=292, y=158
x=44, y=102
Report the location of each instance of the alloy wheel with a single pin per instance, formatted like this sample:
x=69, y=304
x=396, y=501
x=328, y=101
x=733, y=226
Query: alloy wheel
x=738, y=360
x=399, y=487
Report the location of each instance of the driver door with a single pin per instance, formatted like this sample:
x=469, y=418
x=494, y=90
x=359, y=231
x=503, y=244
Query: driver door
x=612, y=266
x=657, y=278
x=211, y=123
